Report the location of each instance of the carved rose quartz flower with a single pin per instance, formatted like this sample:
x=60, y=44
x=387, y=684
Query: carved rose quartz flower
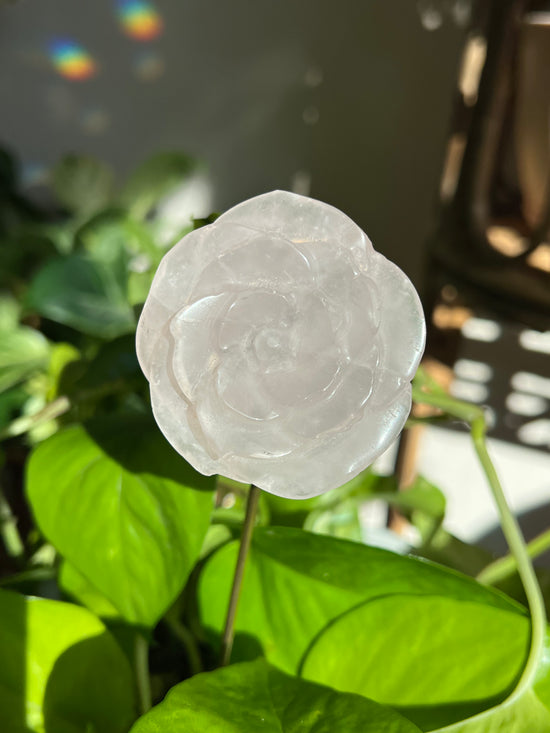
x=279, y=346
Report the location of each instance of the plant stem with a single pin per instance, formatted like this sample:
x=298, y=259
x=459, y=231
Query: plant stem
x=9, y=532
x=188, y=641
x=506, y=566
x=475, y=417
x=526, y=572
x=246, y=536
x=27, y=576
x=60, y=406
x=22, y=424
x=141, y=652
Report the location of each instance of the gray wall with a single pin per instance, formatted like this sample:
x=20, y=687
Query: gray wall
x=354, y=94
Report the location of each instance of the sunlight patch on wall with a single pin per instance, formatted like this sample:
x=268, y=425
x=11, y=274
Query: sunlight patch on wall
x=481, y=329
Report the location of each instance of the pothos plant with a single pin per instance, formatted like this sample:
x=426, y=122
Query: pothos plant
x=141, y=593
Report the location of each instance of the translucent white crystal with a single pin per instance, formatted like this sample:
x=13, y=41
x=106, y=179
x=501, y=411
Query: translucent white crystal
x=279, y=346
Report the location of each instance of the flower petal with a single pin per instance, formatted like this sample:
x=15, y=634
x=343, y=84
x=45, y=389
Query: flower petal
x=262, y=262
x=175, y=416
x=241, y=389
x=300, y=219
x=195, y=349
x=153, y=319
x=252, y=313
x=403, y=329
x=336, y=409
x=329, y=464
x=232, y=435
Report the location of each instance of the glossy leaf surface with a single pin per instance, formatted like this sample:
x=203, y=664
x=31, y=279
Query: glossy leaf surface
x=84, y=294
x=124, y=509
x=297, y=582
x=257, y=698
x=61, y=671
x=22, y=351
x=440, y=659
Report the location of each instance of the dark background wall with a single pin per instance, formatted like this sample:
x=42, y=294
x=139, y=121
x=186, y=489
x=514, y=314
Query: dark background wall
x=349, y=98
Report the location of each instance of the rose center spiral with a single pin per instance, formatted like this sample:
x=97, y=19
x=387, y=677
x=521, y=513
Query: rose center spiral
x=270, y=344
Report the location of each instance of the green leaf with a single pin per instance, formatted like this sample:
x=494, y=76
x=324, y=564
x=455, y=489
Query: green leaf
x=22, y=352
x=81, y=590
x=82, y=184
x=61, y=234
x=423, y=502
x=115, y=241
x=470, y=654
x=421, y=496
x=139, y=285
x=257, y=698
x=61, y=671
x=21, y=255
x=9, y=311
x=124, y=508
x=202, y=222
x=297, y=582
x=446, y=549
x=339, y=521
x=525, y=715
x=217, y=535
x=84, y=294
x=289, y=512
x=62, y=355
x=115, y=362
x=11, y=403
x=292, y=513
x=153, y=180
x=110, y=233
x=512, y=586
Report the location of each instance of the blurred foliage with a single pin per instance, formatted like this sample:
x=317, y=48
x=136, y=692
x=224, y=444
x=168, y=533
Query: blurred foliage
x=116, y=557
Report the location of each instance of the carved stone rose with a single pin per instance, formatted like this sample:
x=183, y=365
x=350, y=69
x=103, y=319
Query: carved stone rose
x=279, y=346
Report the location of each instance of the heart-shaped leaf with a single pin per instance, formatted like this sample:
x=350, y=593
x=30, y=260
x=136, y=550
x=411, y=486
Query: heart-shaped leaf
x=438, y=646
x=80, y=589
x=153, y=180
x=82, y=184
x=469, y=654
x=85, y=294
x=124, y=508
x=257, y=698
x=61, y=671
x=297, y=582
x=22, y=351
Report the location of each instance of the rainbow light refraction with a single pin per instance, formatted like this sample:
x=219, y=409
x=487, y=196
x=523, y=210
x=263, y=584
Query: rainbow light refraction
x=71, y=60
x=139, y=19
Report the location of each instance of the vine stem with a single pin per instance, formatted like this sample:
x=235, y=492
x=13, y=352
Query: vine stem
x=506, y=566
x=246, y=536
x=59, y=407
x=188, y=641
x=518, y=549
x=475, y=417
x=23, y=424
x=9, y=531
x=142, y=673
